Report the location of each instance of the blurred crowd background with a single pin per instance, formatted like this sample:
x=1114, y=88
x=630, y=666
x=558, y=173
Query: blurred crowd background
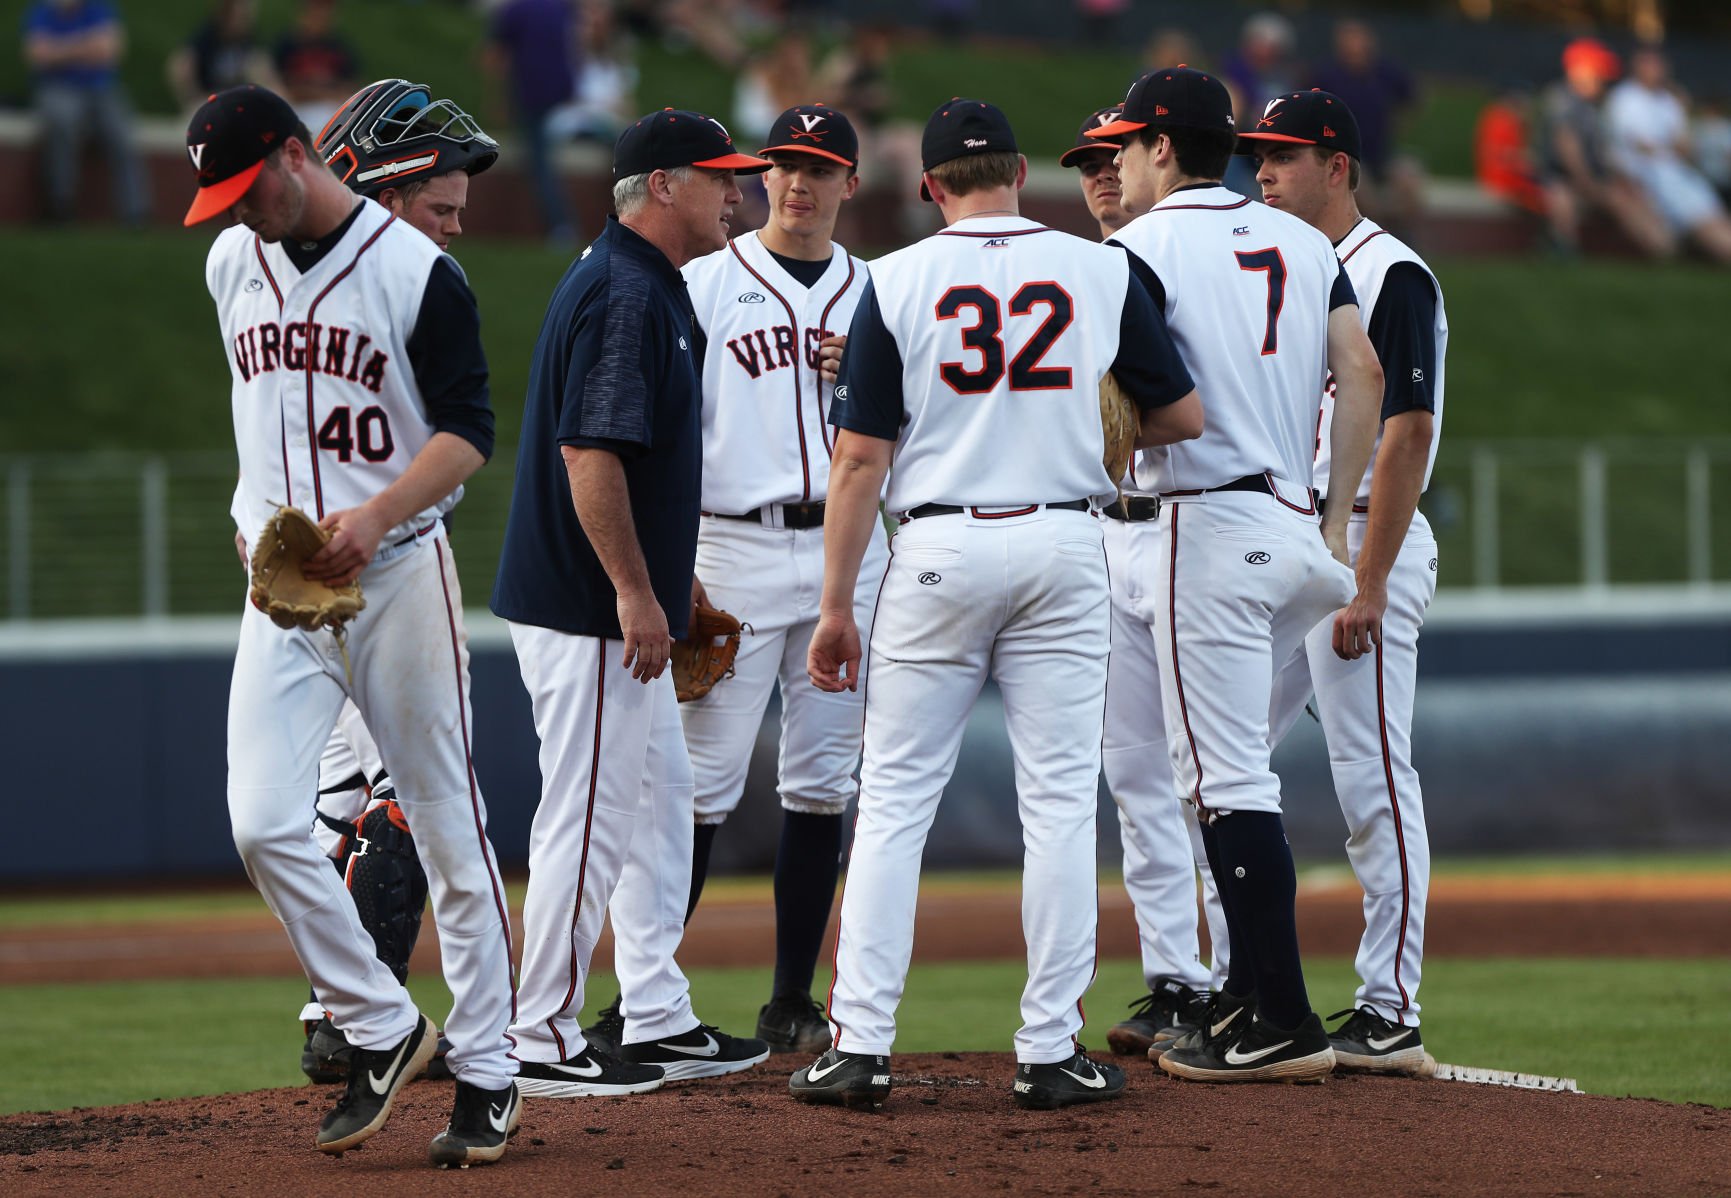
x=1573, y=120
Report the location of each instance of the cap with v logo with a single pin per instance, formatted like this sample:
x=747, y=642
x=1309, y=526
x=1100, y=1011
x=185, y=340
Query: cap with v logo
x=1172, y=96
x=1098, y=119
x=228, y=139
x=1312, y=118
x=814, y=129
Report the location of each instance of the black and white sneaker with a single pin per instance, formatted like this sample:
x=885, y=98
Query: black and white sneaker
x=793, y=1023
x=326, y=1056
x=1367, y=1041
x=701, y=1052
x=1079, y=1079
x=1166, y=1012
x=374, y=1079
x=1256, y=1051
x=608, y=1031
x=850, y=1079
x=1221, y=1016
x=481, y=1122
x=592, y=1072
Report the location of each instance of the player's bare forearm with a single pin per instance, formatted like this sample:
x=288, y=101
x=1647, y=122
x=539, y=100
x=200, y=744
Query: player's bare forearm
x=444, y=462
x=1171, y=423
x=603, y=505
x=1394, y=490
x=856, y=479
x=1357, y=406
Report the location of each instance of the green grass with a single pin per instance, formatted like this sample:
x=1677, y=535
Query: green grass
x=1540, y=1016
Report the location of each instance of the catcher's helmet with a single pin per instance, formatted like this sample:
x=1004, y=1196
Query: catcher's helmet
x=393, y=132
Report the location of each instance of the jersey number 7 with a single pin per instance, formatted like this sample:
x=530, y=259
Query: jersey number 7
x=1270, y=261
x=984, y=336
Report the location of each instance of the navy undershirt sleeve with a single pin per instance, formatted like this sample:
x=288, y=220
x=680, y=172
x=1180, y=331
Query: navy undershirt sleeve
x=449, y=364
x=868, y=391
x=1148, y=366
x=1342, y=293
x=1403, y=330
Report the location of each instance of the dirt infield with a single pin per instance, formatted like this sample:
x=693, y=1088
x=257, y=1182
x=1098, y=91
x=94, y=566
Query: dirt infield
x=948, y=1128
x=1682, y=916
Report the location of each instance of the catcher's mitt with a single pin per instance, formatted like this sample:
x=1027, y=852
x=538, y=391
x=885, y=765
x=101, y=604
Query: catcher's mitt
x=281, y=591
x=706, y=654
x=1120, y=421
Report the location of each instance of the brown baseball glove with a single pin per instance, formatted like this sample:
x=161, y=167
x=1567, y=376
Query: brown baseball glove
x=706, y=654
x=1120, y=421
x=281, y=591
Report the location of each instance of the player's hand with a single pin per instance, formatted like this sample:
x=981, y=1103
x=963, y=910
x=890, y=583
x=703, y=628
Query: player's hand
x=1358, y=625
x=355, y=536
x=240, y=548
x=832, y=662
x=699, y=597
x=1335, y=538
x=829, y=352
x=648, y=644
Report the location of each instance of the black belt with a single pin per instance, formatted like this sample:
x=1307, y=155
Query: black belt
x=415, y=536
x=946, y=509
x=1250, y=482
x=1134, y=509
x=793, y=515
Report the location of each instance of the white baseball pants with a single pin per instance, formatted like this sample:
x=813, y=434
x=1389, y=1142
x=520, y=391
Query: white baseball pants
x=1366, y=711
x=613, y=824
x=1162, y=844
x=771, y=579
x=1244, y=578
x=1025, y=600
x=410, y=665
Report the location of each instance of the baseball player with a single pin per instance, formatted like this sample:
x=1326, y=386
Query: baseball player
x=1307, y=145
x=1162, y=844
x=766, y=304
x=359, y=395
x=596, y=582
x=972, y=366
x=392, y=142
x=1261, y=310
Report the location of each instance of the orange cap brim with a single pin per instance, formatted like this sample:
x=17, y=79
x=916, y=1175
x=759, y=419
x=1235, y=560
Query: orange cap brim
x=806, y=150
x=1067, y=155
x=736, y=162
x=220, y=197
x=1297, y=141
x=1117, y=128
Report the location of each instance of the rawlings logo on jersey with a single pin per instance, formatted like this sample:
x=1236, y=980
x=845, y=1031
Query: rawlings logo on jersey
x=753, y=352
x=327, y=349
x=751, y=297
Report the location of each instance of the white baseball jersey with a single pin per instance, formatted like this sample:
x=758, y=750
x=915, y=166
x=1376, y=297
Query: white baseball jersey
x=1001, y=329
x=1367, y=253
x=766, y=438
x=1259, y=391
x=326, y=409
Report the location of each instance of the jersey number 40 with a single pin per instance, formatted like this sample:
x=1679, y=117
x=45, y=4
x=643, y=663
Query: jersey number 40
x=985, y=337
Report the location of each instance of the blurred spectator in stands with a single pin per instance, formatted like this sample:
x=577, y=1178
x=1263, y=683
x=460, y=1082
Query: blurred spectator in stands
x=1100, y=19
x=775, y=79
x=316, y=64
x=73, y=48
x=951, y=18
x=856, y=79
x=1711, y=133
x=1577, y=176
x=534, y=51
x=1502, y=151
x=606, y=84
x=1647, y=134
x=1261, y=68
x=225, y=52
x=1172, y=47
x=1378, y=90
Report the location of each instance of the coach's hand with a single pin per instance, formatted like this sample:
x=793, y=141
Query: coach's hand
x=832, y=663
x=355, y=536
x=1358, y=625
x=647, y=642
x=829, y=352
x=699, y=598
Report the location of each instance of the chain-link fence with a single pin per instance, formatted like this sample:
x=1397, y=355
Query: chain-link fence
x=101, y=535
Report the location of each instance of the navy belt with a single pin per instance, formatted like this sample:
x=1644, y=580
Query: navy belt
x=415, y=536
x=793, y=515
x=1134, y=509
x=947, y=509
x=1250, y=482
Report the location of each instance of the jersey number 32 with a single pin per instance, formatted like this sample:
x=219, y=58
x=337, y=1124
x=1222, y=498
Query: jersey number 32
x=985, y=337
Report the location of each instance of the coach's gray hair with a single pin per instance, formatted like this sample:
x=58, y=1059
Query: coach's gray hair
x=632, y=192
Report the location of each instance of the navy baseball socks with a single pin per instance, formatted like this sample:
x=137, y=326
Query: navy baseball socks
x=807, y=864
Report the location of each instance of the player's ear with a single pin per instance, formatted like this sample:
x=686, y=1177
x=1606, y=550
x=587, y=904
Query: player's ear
x=1021, y=171
x=390, y=198
x=852, y=186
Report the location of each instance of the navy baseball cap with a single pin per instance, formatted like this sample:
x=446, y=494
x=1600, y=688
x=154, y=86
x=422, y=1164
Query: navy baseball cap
x=959, y=128
x=228, y=139
x=1084, y=143
x=1312, y=118
x=1173, y=96
x=814, y=129
x=674, y=137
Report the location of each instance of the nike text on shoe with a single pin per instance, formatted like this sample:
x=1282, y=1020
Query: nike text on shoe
x=594, y=1072
x=375, y=1076
x=481, y=1122
x=850, y=1079
x=1256, y=1052
x=701, y=1052
x=793, y=1023
x=1166, y=1012
x=1367, y=1041
x=1048, y=1087
x=1221, y=1015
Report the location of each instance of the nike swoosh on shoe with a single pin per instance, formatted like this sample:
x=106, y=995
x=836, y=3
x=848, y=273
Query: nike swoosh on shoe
x=1215, y=1029
x=592, y=1069
x=498, y=1117
x=1096, y=1082
x=1385, y=1045
x=1234, y=1057
x=710, y=1048
x=814, y=1074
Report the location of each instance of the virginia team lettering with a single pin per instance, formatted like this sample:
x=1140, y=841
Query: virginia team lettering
x=297, y=346
x=754, y=354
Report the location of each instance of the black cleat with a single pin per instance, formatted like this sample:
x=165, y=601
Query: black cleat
x=1168, y=1011
x=1219, y=1017
x=608, y=1031
x=793, y=1023
x=701, y=1052
x=1079, y=1079
x=850, y=1079
x=1368, y=1042
x=481, y=1122
x=327, y=1056
x=374, y=1079
x=592, y=1072
x=1255, y=1051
